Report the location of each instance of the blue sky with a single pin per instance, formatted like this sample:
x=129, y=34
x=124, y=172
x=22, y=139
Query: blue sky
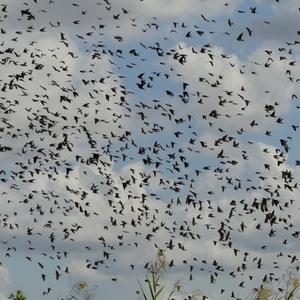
x=155, y=144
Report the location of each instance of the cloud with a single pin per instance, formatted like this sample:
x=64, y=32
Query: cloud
x=101, y=170
x=243, y=92
x=284, y=28
x=5, y=282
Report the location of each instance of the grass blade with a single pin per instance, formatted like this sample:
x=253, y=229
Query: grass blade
x=159, y=291
x=151, y=290
x=142, y=290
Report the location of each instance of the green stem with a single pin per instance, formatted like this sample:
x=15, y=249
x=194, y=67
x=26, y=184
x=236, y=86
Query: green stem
x=292, y=293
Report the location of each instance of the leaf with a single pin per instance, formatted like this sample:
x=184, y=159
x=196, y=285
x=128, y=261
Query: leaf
x=142, y=290
x=290, y=297
x=171, y=294
x=159, y=291
x=156, y=281
x=151, y=290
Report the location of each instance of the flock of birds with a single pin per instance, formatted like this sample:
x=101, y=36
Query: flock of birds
x=123, y=132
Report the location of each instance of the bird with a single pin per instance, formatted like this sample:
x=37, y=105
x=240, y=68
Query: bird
x=127, y=129
x=240, y=37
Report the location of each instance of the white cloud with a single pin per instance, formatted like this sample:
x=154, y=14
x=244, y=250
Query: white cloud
x=5, y=282
x=133, y=228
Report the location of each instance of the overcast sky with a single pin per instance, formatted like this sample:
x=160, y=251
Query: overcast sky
x=127, y=126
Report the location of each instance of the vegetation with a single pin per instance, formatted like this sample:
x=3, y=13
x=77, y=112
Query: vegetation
x=289, y=291
x=153, y=279
x=80, y=290
x=153, y=287
x=19, y=295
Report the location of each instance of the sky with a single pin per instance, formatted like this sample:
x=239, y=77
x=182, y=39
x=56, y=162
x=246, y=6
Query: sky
x=131, y=126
